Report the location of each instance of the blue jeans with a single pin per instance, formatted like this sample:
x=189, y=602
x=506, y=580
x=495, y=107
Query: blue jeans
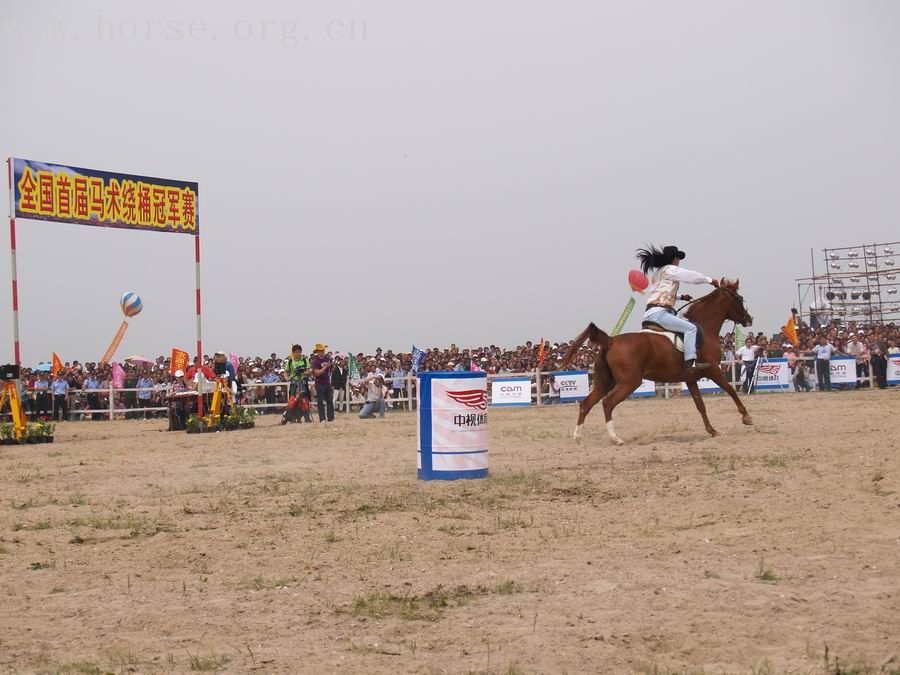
x=676, y=324
x=370, y=407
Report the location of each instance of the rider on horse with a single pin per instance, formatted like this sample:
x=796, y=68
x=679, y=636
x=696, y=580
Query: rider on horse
x=667, y=275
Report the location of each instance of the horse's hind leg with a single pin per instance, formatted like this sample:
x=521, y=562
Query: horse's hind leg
x=716, y=375
x=620, y=392
x=701, y=406
x=584, y=407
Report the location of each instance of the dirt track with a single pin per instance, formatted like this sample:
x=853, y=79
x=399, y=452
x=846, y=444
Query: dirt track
x=304, y=549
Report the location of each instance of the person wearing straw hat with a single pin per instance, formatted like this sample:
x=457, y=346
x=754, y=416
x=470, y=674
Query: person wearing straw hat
x=321, y=369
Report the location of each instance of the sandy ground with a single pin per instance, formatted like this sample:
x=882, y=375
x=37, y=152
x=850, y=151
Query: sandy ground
x=303, y=549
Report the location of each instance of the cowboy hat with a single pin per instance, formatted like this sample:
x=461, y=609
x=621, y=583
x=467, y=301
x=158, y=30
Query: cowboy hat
x=320, y=347
x=673, y=252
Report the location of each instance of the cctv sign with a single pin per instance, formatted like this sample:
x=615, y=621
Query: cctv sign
x=573, y=384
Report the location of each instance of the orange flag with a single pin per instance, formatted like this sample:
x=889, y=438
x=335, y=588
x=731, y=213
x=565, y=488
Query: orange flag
x=57, y=364
x=541, y=354
x=115, y=343
x=790, y=331
x=179, y=360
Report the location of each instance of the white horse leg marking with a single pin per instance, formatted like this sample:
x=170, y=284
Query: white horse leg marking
x=577, y=431
x=612, y=433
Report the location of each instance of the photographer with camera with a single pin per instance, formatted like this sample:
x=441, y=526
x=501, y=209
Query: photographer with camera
x=296, y=367
x=373, y=385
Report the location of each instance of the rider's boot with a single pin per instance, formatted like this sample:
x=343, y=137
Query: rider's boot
x=692, y=366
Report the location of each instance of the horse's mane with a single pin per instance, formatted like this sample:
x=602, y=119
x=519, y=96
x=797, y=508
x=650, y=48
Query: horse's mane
x=724, y=283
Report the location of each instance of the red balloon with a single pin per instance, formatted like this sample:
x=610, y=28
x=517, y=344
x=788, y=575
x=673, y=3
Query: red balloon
x=638, y=281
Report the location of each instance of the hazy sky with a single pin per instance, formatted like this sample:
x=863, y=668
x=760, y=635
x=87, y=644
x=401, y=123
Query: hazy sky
x=382, y=174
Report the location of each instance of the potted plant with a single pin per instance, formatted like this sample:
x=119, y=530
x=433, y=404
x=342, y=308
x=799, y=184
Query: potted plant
x=248, y=418
x=232, y=421
x=49, y=429
x=32, y=433
x=6, y=434
x=192, y=425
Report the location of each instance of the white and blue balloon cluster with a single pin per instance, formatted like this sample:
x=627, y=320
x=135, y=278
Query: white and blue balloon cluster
x=131, y=304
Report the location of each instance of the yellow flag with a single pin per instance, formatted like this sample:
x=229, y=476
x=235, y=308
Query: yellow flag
x=57, y=364
x=790, y=331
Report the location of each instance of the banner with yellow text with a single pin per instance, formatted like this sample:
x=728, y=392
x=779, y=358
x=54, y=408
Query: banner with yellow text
x=180, y=360
x=71, y=194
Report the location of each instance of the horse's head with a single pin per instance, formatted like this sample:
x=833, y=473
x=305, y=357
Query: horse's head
x=734, y=302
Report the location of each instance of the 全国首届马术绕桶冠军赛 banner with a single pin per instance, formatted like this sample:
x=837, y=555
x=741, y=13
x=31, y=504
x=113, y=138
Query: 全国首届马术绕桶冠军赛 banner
x=70, y=194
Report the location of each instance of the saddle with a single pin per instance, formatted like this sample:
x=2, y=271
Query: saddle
x=677, y=339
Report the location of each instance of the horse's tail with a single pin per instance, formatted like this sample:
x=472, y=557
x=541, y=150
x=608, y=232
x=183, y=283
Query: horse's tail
x=597, y=338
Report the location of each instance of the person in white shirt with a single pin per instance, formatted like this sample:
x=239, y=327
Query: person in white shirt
x=663, y=293
x=823, y=352
x=747, y=355
x=375, y=391
x=859, y=350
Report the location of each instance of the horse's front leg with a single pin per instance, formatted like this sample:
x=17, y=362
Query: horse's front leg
x=716, y=375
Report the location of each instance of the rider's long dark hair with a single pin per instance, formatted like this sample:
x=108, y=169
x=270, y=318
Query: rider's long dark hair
x=651, y=258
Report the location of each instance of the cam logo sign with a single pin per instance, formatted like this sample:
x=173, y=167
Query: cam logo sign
x=843, y=370
x=572, y=384
x=510, y=391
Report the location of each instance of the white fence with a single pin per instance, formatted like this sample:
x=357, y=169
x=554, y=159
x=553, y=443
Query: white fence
x=538, y=388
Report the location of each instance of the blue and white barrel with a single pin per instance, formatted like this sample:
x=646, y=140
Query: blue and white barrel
x=453, y=436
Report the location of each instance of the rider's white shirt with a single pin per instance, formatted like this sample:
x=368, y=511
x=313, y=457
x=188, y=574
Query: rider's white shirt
x=665, y=282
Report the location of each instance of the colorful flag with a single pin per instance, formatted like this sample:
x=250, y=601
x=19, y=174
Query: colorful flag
x=738, y=337
x=353, y=366
x=118, y=376
x=234, y=361
x=418, y=358
x=57, y=364
x=179, y=361
x=790, y=331
x=620, y=324
x=541, y=354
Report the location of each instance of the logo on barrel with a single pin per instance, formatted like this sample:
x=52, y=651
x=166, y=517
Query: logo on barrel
x=770, y=368
x=471, y=398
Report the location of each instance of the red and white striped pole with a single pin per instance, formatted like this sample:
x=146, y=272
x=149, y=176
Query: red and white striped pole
x=199, y=332
x=12, y=267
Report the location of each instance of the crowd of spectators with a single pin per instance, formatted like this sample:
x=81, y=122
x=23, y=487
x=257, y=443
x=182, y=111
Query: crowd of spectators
x=870, y=345
x=67, y=393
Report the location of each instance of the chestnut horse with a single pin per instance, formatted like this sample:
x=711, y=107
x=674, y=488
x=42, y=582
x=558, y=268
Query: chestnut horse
x=621, y=362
